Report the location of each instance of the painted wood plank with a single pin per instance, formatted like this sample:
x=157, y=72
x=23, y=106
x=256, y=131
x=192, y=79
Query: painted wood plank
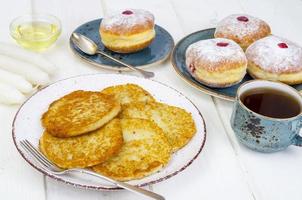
x=216, y=173
x=163, y=71
x=265, y=172
x=198, y=15
x=209, y=14
x=59, y=191
x=276, y=175
x=17, y=179
x=79, y=12
x=72, y=14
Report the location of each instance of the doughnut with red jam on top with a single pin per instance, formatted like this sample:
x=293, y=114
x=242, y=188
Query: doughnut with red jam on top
x=216, y=62
x=276, y=59
x=127, y=31
x=243, y=29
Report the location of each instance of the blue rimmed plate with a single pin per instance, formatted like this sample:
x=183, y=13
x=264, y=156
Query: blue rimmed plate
x=158, y=51
x=179, y=64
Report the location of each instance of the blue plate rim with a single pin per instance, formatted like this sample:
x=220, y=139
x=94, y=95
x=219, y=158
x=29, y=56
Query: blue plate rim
x=200, y=86
x=120, y=68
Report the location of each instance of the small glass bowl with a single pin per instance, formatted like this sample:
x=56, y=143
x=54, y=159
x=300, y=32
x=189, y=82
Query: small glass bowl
x=35, y=31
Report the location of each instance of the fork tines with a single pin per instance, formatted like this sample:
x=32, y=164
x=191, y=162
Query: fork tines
x=36, y=154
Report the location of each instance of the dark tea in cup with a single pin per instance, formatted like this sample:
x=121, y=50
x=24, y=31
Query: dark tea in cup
x=271, y=103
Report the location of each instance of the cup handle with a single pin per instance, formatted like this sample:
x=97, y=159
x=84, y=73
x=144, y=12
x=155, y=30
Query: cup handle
x=298, y=141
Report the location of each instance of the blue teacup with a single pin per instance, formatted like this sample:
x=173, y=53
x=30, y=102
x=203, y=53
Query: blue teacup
x=263, y=133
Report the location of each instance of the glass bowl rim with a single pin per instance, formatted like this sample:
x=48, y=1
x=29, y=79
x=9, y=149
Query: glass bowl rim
x=36, y=16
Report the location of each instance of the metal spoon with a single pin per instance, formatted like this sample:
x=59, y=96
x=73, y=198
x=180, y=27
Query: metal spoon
x=89, y=47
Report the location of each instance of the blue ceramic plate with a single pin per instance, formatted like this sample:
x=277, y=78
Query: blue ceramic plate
x=158, y=51
x=179, y=64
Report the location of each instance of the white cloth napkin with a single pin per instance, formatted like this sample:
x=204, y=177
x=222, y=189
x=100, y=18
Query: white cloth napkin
x=20, y=72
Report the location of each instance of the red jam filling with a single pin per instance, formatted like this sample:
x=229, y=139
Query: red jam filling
x=283, y=45
x=127, y=12
x=243, y=19
x=222, y=44
x=192, y=68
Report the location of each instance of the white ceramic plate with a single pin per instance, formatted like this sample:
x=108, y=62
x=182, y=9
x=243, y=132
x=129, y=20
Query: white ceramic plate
x=27, y=124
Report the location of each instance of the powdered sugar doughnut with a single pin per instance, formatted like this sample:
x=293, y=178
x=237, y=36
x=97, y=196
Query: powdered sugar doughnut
x=276, y=59
x=128, y=30
x=216, y=62
x=243, y=29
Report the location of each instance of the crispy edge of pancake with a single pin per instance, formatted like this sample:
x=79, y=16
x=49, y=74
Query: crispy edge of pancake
x=55, y=121
x=111, y=133
x=128, y=93
x=139, y=135
x=177, y=123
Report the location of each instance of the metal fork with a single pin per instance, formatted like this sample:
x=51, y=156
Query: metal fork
x=53, y=168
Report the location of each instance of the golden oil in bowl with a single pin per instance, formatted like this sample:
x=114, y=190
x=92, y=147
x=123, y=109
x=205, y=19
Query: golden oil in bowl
x=35, y=32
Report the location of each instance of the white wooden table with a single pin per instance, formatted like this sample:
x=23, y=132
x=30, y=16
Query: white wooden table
x=225, y=169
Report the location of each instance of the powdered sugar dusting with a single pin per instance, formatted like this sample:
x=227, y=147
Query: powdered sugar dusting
x=231, y=25
x=209, y=51
x=118, y=19
x=267, y=54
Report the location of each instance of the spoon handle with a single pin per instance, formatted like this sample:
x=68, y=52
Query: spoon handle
x=146, y=74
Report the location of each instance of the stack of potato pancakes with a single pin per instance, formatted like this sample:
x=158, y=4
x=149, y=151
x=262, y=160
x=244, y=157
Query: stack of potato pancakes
x=121, y=132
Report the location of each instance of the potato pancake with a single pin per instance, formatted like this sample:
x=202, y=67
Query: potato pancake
x=79, y=112
x=146, y=150
x=84, y=150
x=176, y=123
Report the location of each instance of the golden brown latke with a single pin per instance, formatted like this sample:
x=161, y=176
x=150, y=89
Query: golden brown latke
x=79, y=112
x=84, y=150
x=128, y=93
x=146, y=150
x=176, y=123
